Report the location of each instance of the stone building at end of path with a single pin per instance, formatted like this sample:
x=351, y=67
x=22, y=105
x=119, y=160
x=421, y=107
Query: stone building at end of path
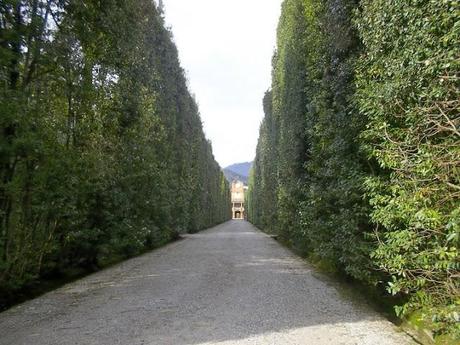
x=238, y=191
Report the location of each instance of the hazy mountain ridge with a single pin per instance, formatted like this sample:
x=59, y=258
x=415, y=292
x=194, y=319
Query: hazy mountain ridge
x=238, y=171
x=240, y=168
x=232, y=176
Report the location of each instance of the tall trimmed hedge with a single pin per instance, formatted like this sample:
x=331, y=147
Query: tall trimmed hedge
x=358, y=160
x=408, y=90
x=102, y=150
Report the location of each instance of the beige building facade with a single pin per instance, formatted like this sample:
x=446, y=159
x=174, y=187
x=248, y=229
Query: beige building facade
x=238, y=193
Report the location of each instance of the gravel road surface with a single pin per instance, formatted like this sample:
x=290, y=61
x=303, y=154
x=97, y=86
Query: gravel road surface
x=228, y=285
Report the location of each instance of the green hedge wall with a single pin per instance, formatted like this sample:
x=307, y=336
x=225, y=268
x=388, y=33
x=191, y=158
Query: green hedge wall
x=358, y=160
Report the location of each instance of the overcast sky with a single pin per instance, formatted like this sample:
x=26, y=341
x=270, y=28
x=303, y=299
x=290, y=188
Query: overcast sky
x=226, y=48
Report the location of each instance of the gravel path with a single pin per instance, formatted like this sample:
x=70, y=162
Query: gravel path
x=228, y=285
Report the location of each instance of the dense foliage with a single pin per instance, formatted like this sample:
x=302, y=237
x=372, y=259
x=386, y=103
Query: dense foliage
x=358, y=160
x=102, y=151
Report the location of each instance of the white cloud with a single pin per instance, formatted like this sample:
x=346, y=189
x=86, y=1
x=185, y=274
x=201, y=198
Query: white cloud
x=226, y=49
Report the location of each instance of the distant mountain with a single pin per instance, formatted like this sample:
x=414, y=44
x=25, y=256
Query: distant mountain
x=238, y=171
x=232, y=176
x=240, y=168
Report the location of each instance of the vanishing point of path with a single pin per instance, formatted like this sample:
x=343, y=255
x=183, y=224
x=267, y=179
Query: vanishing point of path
x=228, y=285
